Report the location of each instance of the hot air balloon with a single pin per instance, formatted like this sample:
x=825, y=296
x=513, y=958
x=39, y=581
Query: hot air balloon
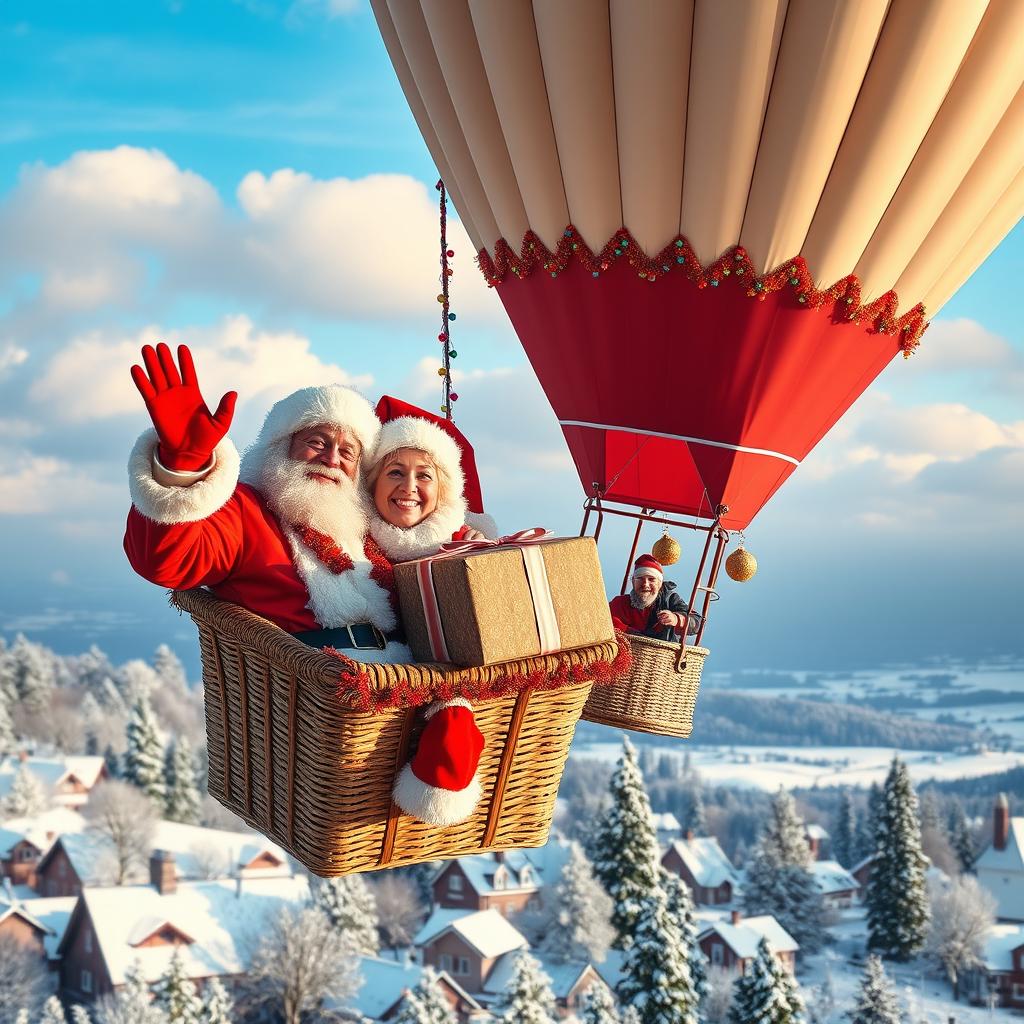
x=713, y=223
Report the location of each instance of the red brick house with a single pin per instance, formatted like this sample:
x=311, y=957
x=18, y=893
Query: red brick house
x=1000, y=977
x=1000, y=868
x=837, y=886
x=731, y=945
x=209, y=922
x=23, y=841
x=506, y=882
x=19, y=923
x=66, y=780
x=817, y=841
x=702, y=864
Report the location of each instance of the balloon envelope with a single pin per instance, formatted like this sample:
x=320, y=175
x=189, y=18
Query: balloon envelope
x=866, y=155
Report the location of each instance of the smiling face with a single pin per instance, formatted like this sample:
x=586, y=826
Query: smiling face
x=645, y=590
x=406, y=489
x=328, y=449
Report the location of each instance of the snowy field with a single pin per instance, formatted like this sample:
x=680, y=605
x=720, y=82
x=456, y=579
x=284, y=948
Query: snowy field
x=798, y=767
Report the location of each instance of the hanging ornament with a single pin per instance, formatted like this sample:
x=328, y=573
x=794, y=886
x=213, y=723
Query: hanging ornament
x=741, y=564
x=666, y=549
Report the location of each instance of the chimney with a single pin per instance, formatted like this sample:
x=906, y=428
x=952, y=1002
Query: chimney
x=499, y=856
x=22, y=756
x=161, y=872
x=238, y=885
x=1001, y=822
x=689, y=834
x=735, y=917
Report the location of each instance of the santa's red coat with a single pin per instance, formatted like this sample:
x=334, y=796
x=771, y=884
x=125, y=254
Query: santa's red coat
x=628, y=618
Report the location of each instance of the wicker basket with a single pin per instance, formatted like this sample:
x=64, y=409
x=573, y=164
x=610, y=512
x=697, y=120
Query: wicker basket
x=657, y=697
x=290, y=752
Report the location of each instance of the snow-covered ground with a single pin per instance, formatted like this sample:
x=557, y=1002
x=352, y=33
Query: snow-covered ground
x=797, y=767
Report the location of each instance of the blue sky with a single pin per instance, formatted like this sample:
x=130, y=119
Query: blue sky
x=240, y=175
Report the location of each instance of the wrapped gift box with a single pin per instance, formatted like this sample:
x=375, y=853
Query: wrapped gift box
x=488, y=603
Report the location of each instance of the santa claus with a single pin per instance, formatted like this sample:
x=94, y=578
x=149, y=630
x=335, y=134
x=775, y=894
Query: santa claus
x=652, y=607
x=283, y=531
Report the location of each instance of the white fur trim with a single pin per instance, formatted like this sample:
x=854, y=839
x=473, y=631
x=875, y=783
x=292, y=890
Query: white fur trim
x=333, y=403
x=433, y=805
x=339, y=599
x=647, y=571
x=440, y=705
x=180, y=504
x=484, y=523
x=402, y=544
x=421, y=434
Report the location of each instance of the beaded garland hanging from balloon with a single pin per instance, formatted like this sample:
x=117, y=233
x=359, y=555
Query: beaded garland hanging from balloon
x=448, y=397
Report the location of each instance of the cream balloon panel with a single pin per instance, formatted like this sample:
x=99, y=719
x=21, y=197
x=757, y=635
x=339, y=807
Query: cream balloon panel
x=870, y=137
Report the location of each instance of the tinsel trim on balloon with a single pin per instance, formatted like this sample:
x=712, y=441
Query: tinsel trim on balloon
x=879, y=315
x=371, y=697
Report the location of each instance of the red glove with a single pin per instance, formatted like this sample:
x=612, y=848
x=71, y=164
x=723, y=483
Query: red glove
x=188, y=432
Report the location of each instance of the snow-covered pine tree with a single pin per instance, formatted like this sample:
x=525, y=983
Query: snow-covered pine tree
x=183, y=801
x=766, y=994
x=897, y=897
x=80, y=1015
x=876, y=998
x=112, y=760
x=656, y=970
x=176, y=994
x=683, y=912
x=53, y=1012
x=928, y=810
x=695, y=820
x=27, y=795
x=960, y=837
x=867, y=828
x=352, y=909
x=844, y=833
x=626, y=846
x=132, y=1003
x=426, y=1003
x=580, y=924
x=217, y=1004
x=22, y=1017
x=527, y=998
x=779, y=881
x=34, y=675
x=597, y=1006
x=144, y=756
x=8, y=741
x=169, y=668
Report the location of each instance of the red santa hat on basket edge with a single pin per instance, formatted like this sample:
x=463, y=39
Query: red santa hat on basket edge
x=407, y=426
x=441, y=784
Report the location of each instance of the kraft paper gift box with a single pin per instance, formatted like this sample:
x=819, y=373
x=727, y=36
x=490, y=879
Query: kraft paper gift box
x=486, y=609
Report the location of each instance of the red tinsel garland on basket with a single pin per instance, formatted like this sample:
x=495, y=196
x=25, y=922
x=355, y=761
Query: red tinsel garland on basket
x=880, y=315
x=405, y=695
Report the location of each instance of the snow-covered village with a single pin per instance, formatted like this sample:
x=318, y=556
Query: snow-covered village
x=510, y=512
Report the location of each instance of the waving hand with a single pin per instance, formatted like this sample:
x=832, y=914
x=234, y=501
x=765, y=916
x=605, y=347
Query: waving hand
x=188, y=431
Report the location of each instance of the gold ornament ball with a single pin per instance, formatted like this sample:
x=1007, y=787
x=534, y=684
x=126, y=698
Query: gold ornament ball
x=741, y=565
x=666, y=550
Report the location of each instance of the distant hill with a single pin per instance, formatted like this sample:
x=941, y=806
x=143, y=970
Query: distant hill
x=744, y=719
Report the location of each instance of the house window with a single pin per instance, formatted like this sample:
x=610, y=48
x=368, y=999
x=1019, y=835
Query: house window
x=87, y=939
x=455, y=883
x=62, y=869
x=86, y=980
x=499, y=880
x=446, y=962
x=717, y=954
x=1018, y=992
x=462, y=967
x=526, y=878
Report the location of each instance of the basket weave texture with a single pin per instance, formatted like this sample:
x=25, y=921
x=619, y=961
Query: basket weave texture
x=292, y=753
x=654, y=698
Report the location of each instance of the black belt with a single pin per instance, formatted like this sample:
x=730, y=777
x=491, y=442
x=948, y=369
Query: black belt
x=360, y=636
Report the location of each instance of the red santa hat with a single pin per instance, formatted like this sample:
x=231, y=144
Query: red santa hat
x=336, y=404
x=407, y=426
x=648, y=565
x=440, y=786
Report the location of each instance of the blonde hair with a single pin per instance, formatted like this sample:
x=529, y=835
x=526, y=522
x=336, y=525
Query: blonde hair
x=444, y=480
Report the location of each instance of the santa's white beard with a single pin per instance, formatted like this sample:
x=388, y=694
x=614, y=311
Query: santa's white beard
x=641, y=601
x=337, y=508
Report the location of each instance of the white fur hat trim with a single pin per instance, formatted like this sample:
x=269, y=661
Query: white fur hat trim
x=424, y=436
x=432, y=804
x=332, y=403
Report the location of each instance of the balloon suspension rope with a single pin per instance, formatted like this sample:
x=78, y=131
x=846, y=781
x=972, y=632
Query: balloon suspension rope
x=447, y=316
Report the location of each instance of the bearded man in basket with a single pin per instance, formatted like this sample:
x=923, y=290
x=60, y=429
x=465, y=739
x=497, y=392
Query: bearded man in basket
x=652, y=607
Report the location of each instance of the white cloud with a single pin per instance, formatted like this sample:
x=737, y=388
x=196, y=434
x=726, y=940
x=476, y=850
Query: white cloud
x=261, y=366
x=961, y=344
x=38, y=484
x=11, y=355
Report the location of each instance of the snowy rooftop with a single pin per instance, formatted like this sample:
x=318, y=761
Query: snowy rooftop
x=831, y=877
x=485, y=873
x=53, y=913
x=815, y=832
x=198, y=852
x=743, y=938
x=563, y=976
x=51, y=770
x=706, y=861
x=1000, y=943
x=666, y=822
x=223, y=920
x=39, y=829
x=15, y=909
x=550, y=858
x=1009, y=859
x=486, y=931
